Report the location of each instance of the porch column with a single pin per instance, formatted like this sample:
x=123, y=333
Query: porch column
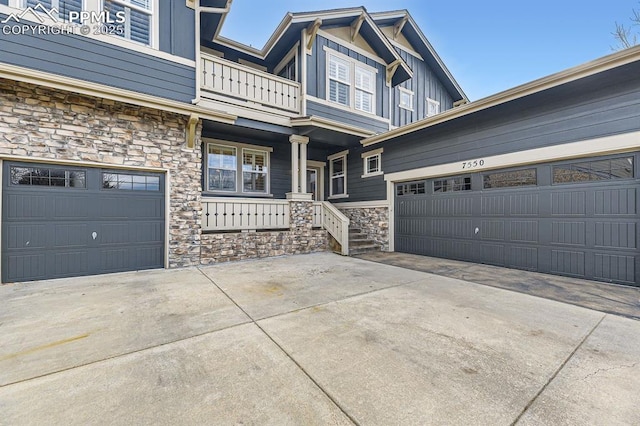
x=299, y=168
x=295, y=166
x=303, y=166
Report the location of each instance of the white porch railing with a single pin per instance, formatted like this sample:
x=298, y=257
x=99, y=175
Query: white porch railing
x=246, y=214
x=317, y=214
x=224, y=214
x=238, y=81
x=337, y=224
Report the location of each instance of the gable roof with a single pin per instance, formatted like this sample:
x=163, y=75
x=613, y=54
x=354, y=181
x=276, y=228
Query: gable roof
x=403, y=23
x=604, y=64
x=294, y=23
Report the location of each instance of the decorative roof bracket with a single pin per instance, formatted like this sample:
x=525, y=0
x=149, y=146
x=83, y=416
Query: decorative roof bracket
x=355, y=26
x=398, y=26
x=391, y=69
x=312, y=30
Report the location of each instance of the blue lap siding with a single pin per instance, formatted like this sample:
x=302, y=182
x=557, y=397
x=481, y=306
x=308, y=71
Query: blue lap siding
x=95, y=61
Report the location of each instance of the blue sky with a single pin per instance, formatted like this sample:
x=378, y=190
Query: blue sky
x=488, y=46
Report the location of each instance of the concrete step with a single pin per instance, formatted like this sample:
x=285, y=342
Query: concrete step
x=363, y=249
x=361, y=243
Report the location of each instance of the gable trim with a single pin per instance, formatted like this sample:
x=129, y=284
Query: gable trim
x=354, y=48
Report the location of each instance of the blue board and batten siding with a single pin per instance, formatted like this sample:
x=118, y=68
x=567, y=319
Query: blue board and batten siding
x=317, y=76
x=424, y=84
x=91, y=60
x=590, y=108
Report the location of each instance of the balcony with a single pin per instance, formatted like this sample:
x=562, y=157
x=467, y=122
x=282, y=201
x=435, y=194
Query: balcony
x=234, y=83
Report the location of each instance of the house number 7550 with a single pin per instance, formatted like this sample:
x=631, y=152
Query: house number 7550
x=472, y=164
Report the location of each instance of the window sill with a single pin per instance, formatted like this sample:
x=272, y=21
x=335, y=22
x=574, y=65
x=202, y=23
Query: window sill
x=336, y=197
x=406, y=108
x=366, y=175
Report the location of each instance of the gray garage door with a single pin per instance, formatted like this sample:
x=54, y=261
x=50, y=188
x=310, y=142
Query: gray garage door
x=577, y=218
x=60, y=221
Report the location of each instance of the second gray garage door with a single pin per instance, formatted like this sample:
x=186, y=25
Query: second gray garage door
x=577, y=218
x=60, y=221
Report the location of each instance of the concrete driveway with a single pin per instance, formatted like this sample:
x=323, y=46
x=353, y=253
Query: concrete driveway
x=314, y=339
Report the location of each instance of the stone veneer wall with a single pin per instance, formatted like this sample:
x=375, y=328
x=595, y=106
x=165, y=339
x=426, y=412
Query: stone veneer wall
x=298, y=239
x=43, y=123
x=373, y=221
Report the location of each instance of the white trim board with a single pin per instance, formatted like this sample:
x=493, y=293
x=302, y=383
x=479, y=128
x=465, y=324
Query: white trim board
x=362, y=204
x=605, y=145
x=605, y=63
x=54, y=81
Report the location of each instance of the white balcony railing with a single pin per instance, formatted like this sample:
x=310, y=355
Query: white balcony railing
x=237, y=82
x=244, y=214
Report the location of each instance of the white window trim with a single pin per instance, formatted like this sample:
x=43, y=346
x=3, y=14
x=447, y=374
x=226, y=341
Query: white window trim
x=331, y=158
x=434, y=102
x=365, y=156
x=407, y=92
x=17, y=6
x=293, y=53
x=353, y=64
x=239, y=147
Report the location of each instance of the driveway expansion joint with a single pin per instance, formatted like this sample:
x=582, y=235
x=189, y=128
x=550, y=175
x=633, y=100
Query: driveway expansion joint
x=300, y=367
x=555, y=374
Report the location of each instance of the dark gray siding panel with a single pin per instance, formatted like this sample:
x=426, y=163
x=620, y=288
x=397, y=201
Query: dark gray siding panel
x=359, y=188
x=177, y=36
x=94, y=61
x=593, y=107
x=317, y=73
x=581, y=111
x=350, y=118
x=424, y=84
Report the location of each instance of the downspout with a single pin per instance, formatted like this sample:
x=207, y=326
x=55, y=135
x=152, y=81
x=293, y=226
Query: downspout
x=202, y=9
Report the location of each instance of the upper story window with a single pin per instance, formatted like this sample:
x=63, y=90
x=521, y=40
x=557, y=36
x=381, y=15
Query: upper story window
x=63, y=7
x=339, y=80
x=406, y=99
x=338, y=175
x=138, y=18
x=364, y=89
x=372, y=163
x=351, y=83
x=237, y=169
x=129, y=19
x=433, y=107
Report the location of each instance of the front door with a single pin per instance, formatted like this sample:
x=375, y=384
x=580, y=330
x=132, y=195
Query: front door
x=314, y=183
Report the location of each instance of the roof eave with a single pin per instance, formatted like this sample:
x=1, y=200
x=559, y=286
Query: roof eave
x=599, y=65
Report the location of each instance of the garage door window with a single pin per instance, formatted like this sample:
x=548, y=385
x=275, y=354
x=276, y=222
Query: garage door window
x=44, y=176
x=130, y=182
x=595, y=170
x=452, y=184
x=510, y=179
x=410, y=189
